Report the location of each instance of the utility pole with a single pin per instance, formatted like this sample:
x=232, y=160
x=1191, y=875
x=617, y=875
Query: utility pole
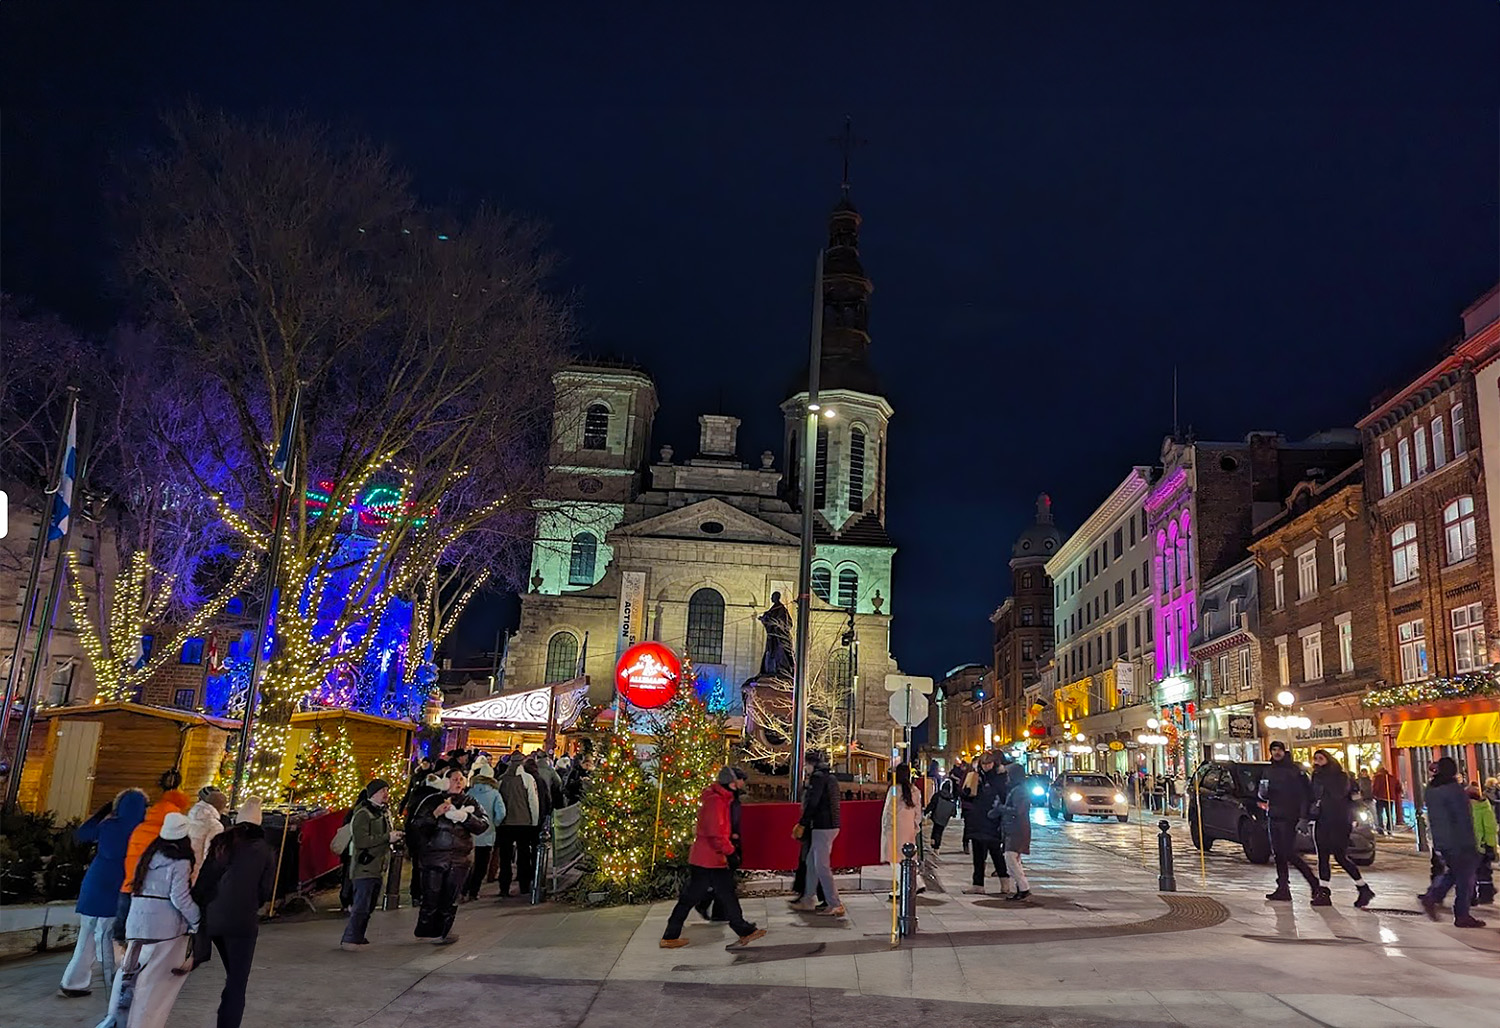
x=809, y=509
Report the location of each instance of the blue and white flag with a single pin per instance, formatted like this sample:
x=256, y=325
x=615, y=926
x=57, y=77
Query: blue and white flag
x=281, y=462
x=62, y=500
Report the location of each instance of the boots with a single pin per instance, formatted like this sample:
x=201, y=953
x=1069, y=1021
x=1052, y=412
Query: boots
x=1366, y=894
x=1283, y=894
x=1322, y=896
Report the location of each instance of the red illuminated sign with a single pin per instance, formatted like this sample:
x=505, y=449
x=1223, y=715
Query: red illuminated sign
x=647, y=675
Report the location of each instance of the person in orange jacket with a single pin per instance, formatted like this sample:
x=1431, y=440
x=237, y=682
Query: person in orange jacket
x=172, y=802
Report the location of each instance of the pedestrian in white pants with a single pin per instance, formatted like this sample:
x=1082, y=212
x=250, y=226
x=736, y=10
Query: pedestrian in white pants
x=95, y=946
x=99, y=893
x=1015, y=823
x=162, y=917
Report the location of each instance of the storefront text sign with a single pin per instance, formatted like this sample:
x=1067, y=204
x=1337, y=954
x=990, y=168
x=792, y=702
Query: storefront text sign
x=1241, y=726
x=647, y=675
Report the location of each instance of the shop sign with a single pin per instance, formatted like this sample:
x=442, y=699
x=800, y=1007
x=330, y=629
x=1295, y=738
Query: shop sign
x=1125, y=678
x=1241, y=726
x=1332, y=731
x=647, y=675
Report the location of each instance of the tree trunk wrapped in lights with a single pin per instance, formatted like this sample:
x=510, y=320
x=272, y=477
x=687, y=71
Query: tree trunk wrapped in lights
x=768, y=713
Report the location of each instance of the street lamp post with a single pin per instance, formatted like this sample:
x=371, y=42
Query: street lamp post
x=804, y=566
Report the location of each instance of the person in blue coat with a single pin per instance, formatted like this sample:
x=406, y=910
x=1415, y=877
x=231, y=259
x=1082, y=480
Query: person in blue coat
x=99, y=896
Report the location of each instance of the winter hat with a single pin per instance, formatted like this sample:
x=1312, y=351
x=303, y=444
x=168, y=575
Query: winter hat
x=174, y=826
x=213, y=797
x=483, y=771
x=376, y=784
x=249, y=813
x=726, y=776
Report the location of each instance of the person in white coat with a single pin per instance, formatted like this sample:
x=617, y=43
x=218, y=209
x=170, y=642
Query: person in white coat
x=205, y=822
x=162, y=918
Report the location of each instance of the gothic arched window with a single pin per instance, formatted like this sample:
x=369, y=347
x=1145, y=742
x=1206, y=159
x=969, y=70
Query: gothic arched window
x=840, y=673
x=856, y=470
x=848, y=587
x=820, y=470
x=581, y=561
x=822, y=583
x=705, y=627
x=596, y=427
x=562, y=657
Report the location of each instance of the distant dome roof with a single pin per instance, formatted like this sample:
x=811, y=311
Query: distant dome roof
x=1041, y=539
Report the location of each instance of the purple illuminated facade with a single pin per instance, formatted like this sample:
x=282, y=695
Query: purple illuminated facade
x=1169, y=519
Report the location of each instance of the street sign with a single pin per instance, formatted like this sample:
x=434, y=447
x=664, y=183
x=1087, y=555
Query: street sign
x=908, y=708
x=899, y=683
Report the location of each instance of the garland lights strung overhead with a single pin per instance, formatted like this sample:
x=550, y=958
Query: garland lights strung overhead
x=1483, y=682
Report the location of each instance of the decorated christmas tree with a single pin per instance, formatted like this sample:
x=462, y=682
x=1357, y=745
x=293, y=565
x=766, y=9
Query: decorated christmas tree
x=395, y=769
x=325, y=774
x=690, y=749
x=619, y=808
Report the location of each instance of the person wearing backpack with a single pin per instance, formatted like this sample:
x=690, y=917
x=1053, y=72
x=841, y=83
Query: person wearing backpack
x=370, y=842
x=941, y=809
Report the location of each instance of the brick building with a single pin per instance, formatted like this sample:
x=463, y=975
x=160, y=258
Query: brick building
x=955, y=711
x=1023, y=623
x=1319, y=617
x=1225, y=648
x=1434, y=556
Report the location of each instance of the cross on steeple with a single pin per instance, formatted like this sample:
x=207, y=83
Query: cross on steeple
x=847, y=142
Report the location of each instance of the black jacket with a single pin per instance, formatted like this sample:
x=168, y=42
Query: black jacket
x=238, y=878
x=447, y=843
x=1332, y=807
x=987, y=798
x=820, y=803
x=1286, y=791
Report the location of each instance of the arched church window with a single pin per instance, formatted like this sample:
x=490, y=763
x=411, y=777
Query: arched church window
x=596, y=427
x=583, y=558
x=705, y=627
x=848, y=587
x=820, y=471
x=562, y=657
x=840, y=673
x=822, y=583
x=1026, y=580
x=856, y=470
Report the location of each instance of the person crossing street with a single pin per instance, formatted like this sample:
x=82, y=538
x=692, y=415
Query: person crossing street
x=708, y=866
x=1285, y=795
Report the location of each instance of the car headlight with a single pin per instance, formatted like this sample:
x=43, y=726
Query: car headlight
x=1119, y=797
x=1037, y=790
x=1075, y=797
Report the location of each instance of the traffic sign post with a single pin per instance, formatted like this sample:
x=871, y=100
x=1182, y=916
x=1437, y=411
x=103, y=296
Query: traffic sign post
x=908, y=704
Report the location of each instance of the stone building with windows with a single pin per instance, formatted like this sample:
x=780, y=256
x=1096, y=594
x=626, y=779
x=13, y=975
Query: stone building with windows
x=1319, y=622
x=1432, y=547
x=1023, y=623
x=1225, y=652
x=690, y=551
x=1103, y=633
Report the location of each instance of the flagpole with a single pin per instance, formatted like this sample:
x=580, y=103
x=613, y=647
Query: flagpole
x=28, y=606
x=69, y=487
x=284, y=463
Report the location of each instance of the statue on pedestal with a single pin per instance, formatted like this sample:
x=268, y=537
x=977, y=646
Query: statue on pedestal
x=779, y=662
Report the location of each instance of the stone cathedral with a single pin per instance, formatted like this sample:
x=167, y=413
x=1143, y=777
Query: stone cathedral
x=688, y=550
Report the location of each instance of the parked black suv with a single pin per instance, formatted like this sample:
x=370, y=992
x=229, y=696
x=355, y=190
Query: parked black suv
x=1230, y=809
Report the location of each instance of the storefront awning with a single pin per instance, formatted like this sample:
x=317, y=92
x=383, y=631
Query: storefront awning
x=1442, y=731
x=1412, y=732
x=1479, y=728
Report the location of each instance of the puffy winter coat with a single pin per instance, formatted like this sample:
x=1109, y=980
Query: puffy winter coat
x=239, y=879
x=518, y=790
x=942, y=806
x=1484, y=824
x=488, y=797
x=1386, y=785
x=99, y=896
x=370, y=828
x=713, y=843
x=1015, y=812
x=1285, y=790
x=203, y=827
x=820, y=803
x=986, y=791
x=164, y=907
x=445, y=842
x=1451, y=817
x=1331, y=790
x=150, y=827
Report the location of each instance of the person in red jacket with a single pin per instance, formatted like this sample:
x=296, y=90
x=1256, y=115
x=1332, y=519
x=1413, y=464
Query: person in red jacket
x=708, y=866
x=1387, y=788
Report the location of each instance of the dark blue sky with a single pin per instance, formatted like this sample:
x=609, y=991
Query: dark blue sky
x=1061, y=202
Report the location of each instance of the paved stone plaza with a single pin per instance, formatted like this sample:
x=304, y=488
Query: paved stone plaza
x=1097, y=945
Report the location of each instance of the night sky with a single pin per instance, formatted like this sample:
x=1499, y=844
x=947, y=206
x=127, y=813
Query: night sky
x=1292, y=207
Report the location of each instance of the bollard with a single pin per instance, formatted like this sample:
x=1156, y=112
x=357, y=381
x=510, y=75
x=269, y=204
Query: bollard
x=1420, y=820
x=907, y=921
x=1165, y=881
x=392, y=898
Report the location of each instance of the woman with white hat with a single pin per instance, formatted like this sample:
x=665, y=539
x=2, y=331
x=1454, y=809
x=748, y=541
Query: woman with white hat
x=162, y=917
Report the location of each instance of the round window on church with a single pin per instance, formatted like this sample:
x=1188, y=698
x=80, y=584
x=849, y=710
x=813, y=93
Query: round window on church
x=1047, y=545
x=1025, y=544
x=711, y=528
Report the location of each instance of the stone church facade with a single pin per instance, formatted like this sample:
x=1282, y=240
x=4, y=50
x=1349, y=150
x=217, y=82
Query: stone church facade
x=689, y=552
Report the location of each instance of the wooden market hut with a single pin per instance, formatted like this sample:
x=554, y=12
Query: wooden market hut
x=504, y=721
x=79, y=758
x=373, y=738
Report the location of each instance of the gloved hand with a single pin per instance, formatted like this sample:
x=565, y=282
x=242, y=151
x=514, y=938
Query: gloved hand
x=457, y=814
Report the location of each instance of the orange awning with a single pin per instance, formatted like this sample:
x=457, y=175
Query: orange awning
x=1412, y=732
x=1442, y=731
x=1479, y=728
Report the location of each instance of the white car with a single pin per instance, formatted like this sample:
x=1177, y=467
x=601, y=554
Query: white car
x=1086, y=794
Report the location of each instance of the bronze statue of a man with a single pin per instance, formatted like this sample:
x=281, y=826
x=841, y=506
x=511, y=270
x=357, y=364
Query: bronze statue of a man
x=779, y=661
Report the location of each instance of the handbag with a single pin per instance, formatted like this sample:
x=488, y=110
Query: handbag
x=339, y=844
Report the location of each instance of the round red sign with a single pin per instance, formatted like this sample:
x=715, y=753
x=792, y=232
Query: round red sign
x=647, y=675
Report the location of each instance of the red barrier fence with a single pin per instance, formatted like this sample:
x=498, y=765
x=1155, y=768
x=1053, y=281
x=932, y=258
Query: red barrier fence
x=766, y=835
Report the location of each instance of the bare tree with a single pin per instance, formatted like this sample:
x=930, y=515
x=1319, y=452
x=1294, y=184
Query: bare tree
x=279, y=253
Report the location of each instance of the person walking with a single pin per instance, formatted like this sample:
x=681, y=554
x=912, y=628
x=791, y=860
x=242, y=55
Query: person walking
x=371, y=841
x=1450, y=815
x=431, y=785
x=1365, y=784
x=237, y=880
x=901, y=820
x=1386, y=788
x=487, y=795
x=162, y=917
x=1285, y=795
x=515, y=838
x=447, y=823
x=98, y=896
x=1333, y=819
x=714, y=909
x=985, y=790
x=941, y=809
x=1015, y=829
x=172, y=802
x=1485, y=835
x=820, y=822
x=204, y=824
x=708, y=866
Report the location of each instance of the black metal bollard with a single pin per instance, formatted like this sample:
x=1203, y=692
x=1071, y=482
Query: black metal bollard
x=1165, y=880
x=906, y=920
x=393, y=876
x=1421, y=831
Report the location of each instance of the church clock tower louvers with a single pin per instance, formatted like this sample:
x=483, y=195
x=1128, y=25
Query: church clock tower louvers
x=852, y=563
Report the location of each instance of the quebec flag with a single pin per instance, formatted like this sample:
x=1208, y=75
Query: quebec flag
x=62, y=500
